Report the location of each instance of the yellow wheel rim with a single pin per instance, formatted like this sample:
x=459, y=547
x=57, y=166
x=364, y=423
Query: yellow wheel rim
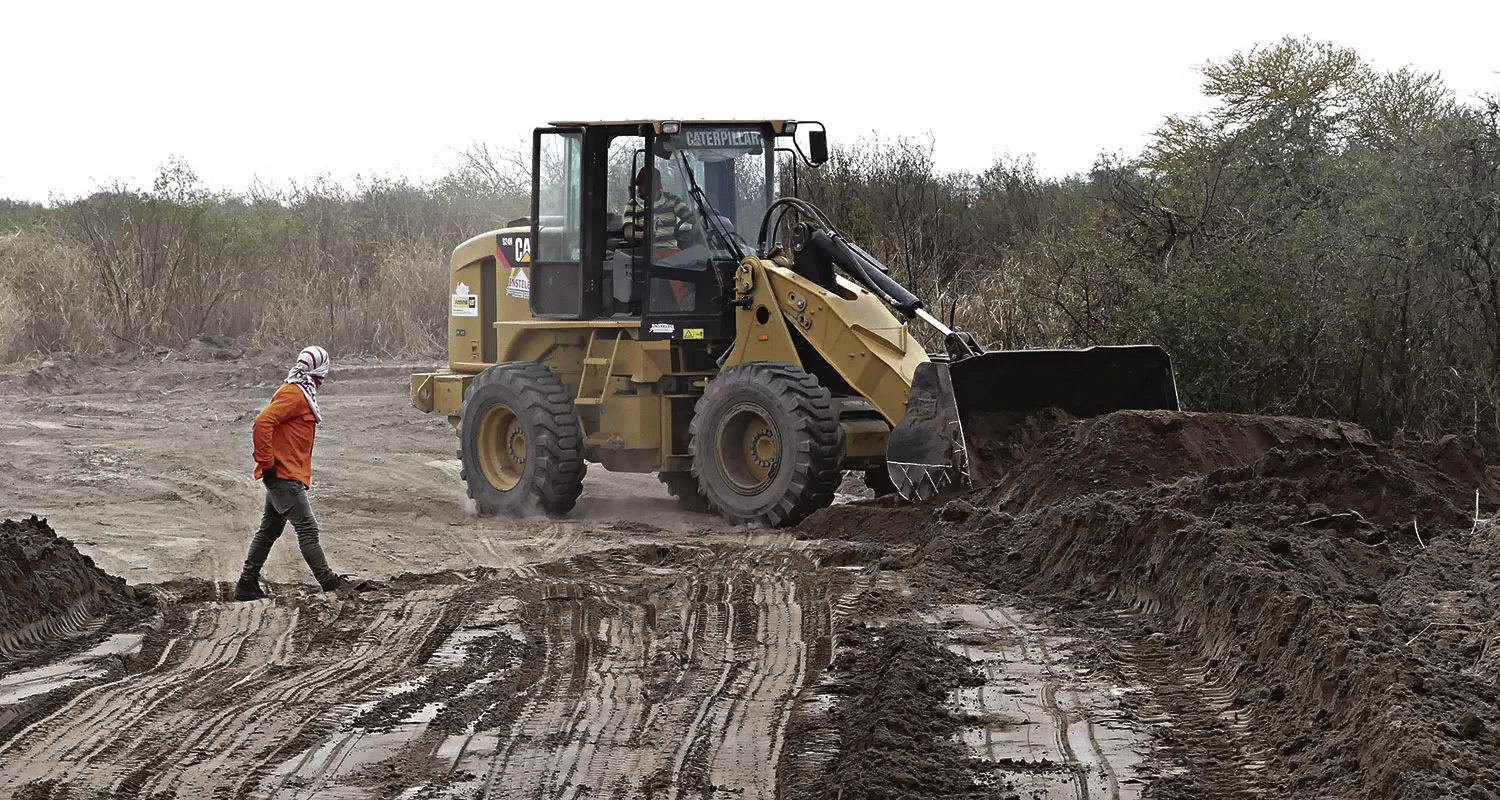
x=749, y=449
x=502, y=447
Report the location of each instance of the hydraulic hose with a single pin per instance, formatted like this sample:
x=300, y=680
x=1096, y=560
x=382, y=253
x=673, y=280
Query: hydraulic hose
x=865, y=273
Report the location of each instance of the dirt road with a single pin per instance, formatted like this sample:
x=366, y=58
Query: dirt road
x=1128, y=610
x=148, y=469
x=630, y=650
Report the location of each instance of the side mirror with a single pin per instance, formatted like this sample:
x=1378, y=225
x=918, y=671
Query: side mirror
x=817, y=144
x=664, y=147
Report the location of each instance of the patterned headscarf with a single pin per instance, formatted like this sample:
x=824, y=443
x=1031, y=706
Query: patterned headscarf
x=311, y=362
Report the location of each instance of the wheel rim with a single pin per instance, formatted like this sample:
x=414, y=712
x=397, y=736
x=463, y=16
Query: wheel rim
x=502, y=447
x=749, y=450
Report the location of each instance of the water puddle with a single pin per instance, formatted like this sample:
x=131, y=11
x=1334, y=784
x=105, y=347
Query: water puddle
x=1058, y=731
x=87, y=665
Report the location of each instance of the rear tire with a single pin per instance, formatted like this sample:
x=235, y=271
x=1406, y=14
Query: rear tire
x=519, y=442
x=765, y=441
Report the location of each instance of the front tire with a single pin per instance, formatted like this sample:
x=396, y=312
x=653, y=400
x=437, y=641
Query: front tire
x=519, y=442
x=765, y=441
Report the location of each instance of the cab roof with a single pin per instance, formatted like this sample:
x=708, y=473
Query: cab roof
x=779, y=126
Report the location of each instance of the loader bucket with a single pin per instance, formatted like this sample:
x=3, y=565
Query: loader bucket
x=1084, y=383
x=927, y=452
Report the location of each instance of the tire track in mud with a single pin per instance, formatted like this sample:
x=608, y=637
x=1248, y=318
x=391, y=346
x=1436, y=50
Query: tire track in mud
x=236, y=684
x=64, y=734
x=404, y=622
x=646, y=681
x=392, y=718
x=1029, y=673
x=645, y=672
x=750, y=730
x=1195, y=721
x=544, y=753
x=78, y=622
x=1084, y=711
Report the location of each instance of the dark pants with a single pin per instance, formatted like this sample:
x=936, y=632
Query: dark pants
x=286, y=501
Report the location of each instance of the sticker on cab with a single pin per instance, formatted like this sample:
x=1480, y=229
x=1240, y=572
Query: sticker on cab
x=520, y=285
x=692, y=333
x=663, y=327
x=465, y=304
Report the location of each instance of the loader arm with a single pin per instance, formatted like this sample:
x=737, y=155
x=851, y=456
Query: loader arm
x=843, y=302
x=849, y=327
x=856, y=333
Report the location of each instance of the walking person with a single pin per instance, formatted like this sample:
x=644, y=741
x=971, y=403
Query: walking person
x=283, y=444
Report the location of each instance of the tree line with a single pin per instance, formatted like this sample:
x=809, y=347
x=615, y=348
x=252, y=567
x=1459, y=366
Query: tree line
x=361, y=269
x=1321, y=242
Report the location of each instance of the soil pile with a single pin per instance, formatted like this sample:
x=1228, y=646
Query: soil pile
x=897, y=739
x=1048, y=458
x=1343, y=593
x=48, y=589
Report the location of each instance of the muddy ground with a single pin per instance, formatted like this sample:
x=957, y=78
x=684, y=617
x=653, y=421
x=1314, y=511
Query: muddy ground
x=1142, y=605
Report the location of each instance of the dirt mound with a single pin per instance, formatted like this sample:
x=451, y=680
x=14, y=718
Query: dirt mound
x=48, y=589
x=1343, y=593
x=1048, y=458
x=213, y=348
x=49, y=375
x=874, y=521
x=897, y=738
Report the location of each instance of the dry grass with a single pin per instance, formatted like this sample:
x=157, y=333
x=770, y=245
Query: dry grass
x=48, y=300
x=360, y=270
x=396, y=308
x=1003, y=310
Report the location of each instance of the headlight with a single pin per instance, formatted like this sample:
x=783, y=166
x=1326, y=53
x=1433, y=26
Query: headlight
x=671, y=127
x=789, y=127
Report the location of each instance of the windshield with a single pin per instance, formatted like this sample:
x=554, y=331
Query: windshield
x=731, y=167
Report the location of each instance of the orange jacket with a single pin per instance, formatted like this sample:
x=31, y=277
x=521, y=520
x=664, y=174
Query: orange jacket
x=283, y=436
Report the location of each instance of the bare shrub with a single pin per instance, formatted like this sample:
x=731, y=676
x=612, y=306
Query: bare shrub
x=47, y=302
x=360, y=268
x=398, y=308
x=165, y=261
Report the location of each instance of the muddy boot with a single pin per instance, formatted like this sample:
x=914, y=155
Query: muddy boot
x=249, y=589
x=348, y=586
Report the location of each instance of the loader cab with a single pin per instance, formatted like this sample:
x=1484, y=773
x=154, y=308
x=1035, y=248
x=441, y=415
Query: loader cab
x=647, y=221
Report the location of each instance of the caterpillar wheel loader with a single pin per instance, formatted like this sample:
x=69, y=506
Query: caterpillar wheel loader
x=631, y=322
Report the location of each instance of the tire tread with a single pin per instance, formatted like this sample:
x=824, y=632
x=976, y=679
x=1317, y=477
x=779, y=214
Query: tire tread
x=809, y=406
x=557, y=481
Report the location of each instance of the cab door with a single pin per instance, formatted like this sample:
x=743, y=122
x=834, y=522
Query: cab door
x=557, y=230
x=685, y=294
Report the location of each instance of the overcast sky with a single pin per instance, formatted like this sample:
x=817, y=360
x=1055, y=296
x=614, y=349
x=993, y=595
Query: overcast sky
x=273, y=91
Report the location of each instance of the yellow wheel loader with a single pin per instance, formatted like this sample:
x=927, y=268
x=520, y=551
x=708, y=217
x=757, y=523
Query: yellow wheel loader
x=631, y=322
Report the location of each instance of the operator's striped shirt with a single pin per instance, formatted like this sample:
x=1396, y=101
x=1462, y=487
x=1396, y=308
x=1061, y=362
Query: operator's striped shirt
x=670, y=211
